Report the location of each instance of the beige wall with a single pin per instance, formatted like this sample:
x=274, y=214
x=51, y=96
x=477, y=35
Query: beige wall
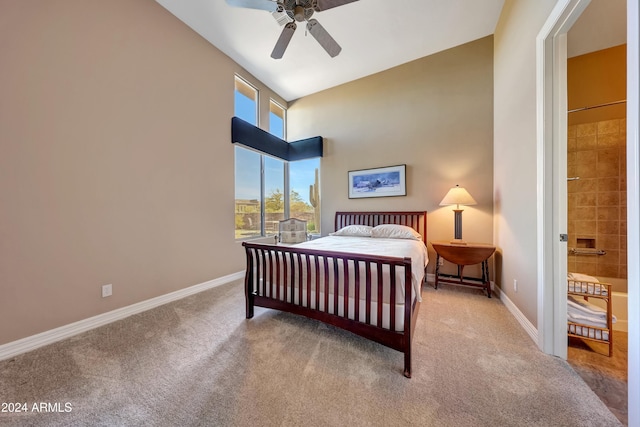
x=515, y=170
x=433, y=114
x=115, y=137
x=597, y=78
x=115, y=160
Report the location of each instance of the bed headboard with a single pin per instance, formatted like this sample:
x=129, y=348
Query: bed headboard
x=414, y=219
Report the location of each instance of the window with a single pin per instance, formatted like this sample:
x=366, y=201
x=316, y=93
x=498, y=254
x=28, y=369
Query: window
x=246, y=102
x=275, y=171
x=304, y=178
x=248, y=167
x=276, y=119
x=268, y=189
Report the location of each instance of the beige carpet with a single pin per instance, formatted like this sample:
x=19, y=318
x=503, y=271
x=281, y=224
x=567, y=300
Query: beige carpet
x=199, y=362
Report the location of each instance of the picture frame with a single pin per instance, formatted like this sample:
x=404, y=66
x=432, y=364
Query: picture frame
x=387, y=181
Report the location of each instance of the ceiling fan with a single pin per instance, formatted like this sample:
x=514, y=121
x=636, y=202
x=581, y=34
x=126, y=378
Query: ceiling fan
x=287, y=12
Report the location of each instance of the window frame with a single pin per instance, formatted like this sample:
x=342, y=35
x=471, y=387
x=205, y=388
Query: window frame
x=273, y=103
x=250, y=89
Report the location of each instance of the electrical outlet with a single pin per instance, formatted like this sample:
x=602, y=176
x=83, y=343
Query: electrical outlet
x=515, y=285
x=107, y=290
x=440, y=261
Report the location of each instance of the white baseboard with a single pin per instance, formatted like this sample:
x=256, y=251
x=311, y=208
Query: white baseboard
x=49, y=337
x=524, y=322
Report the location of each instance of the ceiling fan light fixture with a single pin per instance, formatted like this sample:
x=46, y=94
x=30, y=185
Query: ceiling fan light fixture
x=299, y=13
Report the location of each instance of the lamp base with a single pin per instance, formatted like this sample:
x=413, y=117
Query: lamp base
x=458, y=242
x=457, y=224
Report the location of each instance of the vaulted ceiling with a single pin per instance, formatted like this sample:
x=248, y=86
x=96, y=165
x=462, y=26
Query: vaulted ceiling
x=375, y=35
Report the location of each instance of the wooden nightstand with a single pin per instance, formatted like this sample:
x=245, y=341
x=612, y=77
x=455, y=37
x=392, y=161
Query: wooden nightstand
x=462, y=255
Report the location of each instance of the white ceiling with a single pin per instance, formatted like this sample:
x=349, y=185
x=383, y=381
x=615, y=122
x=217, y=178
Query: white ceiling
x=375, y=35
x=603, y=24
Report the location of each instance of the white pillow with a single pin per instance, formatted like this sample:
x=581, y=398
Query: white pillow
x=395, y=231
x=354, y=231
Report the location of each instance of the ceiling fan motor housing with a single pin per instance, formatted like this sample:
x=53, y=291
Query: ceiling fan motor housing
x=299, y=10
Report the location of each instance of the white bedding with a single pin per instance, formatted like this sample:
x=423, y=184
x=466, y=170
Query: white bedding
x=292, y=292
x=414, y=249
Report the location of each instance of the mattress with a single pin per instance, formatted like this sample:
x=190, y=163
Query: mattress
x=386, y=317
x=399, y=248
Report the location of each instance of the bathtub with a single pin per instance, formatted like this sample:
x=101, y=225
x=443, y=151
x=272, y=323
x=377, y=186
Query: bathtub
x=618, y=301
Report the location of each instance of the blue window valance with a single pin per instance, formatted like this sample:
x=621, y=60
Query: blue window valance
x=253, y=137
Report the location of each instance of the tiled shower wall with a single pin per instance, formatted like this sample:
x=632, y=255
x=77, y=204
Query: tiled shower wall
x=597, y=201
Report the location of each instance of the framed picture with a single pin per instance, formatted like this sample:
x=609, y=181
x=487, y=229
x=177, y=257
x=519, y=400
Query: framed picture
x=379, y=182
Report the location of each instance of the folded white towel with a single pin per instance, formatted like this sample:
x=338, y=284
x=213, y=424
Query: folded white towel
x=581, y=311
x=574, y=285
x=582, y=277
x=585, y=307
x=586, y=320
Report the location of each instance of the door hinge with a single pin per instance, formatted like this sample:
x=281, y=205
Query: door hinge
x=564, y=237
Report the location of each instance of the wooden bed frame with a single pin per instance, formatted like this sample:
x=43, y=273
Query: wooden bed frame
x=270, y=282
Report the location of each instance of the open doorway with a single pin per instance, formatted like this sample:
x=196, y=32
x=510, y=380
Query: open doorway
x=596, y=201
x=552, y=184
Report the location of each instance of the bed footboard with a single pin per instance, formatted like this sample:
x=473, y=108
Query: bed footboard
x=368, y=295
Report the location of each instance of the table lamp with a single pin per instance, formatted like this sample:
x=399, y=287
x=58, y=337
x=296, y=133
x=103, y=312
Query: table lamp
x=458, y=196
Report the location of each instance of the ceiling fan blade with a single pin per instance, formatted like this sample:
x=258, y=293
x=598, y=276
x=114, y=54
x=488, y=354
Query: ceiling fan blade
x=281, y=16
x=330, y=4
x=323, y=37
x=267, y=5
x=283, y=40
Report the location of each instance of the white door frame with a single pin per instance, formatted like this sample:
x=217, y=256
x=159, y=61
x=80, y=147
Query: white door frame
x=552, y=175
x=551, y=182
x=633, y=207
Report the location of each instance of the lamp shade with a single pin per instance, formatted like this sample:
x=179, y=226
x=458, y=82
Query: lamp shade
x=458, y=196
